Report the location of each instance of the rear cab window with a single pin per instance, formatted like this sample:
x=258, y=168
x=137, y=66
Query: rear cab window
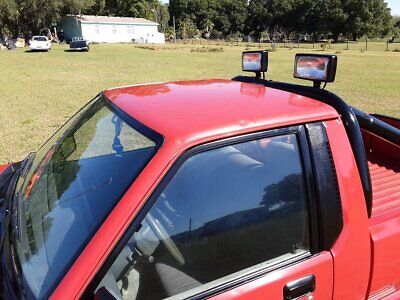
x=223, y=213
x=40, y=38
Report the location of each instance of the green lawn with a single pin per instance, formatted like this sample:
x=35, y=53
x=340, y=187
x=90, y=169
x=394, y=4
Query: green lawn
x=40, y=91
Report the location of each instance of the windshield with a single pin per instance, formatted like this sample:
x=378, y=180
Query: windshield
x=74, y=182
x=40, y=38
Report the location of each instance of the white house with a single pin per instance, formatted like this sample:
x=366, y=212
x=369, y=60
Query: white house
x=102, y=29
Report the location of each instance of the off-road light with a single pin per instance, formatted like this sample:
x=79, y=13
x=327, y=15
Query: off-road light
x=255, y=61
x=315, y=67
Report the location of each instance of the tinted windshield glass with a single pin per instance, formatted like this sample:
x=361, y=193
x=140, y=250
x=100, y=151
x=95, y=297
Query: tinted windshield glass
x=40, y=38
x=77, y=177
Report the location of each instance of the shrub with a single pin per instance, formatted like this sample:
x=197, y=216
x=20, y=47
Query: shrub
x=206, y=49
x=146, y=47
x=220, y=49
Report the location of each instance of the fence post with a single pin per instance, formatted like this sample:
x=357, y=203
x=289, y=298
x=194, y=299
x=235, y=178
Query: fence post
x=347, y=45
x=387, y=45
x=366, y=44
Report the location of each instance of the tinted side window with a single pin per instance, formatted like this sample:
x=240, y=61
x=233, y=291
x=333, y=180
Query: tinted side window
x=225, y=210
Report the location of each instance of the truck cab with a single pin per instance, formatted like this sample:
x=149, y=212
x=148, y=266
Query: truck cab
x=210, y=189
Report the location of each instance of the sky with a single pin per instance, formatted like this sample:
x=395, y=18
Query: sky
x=393, y=4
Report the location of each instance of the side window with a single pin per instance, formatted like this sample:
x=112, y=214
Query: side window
x=225, y=212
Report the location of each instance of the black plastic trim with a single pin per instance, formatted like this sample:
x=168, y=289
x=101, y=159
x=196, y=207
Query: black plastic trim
x=309, y=177
x=348, y=117
x=140, y=127
x=329, y=202
x=301, y=287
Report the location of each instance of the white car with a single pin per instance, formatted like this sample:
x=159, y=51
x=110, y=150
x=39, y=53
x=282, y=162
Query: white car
x=40, y=43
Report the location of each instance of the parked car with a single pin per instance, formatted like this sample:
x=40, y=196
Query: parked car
x=79, y=44
x=40, y=43
x=223, y=189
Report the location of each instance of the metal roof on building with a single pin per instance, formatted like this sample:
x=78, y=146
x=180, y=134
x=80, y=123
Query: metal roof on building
x=106, y=19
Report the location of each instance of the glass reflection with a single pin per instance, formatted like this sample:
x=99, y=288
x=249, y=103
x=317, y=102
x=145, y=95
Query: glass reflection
x=75, y=180
x=224, y=211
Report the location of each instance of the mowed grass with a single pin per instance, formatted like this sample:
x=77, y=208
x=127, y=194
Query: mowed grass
x=40, y=91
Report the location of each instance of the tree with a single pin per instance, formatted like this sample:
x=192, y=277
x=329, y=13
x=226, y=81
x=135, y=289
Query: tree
x=198, y=11
x=357, y=18
x=76, y=6
x=8, y=11
x=232, y=15
x=265, y=15
x=36, y=15
x=187, y=29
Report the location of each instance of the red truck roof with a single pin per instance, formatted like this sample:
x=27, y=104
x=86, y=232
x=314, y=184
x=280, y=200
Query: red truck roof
x=194, y=110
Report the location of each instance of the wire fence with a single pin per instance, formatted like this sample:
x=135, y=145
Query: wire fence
x=365, y=45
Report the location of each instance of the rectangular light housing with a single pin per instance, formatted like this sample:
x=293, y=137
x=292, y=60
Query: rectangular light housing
x=255, y=61
x=315, y=67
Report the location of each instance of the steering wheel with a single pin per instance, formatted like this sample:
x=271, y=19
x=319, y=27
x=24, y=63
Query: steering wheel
x=163, y=236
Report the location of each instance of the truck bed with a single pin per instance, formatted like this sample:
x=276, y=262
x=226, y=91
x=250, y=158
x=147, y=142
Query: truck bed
x=385, y=177
x=384, y=166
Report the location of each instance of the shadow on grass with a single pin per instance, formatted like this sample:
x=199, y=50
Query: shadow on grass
x=35, y=51
x=69, y=50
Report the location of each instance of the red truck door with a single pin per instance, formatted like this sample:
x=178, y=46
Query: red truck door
x=232, y=219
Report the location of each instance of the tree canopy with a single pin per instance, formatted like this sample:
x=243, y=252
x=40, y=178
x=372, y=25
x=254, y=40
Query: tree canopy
x=349, y=18
x=216, y=18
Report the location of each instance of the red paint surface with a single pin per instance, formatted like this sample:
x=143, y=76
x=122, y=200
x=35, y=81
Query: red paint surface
x=186, y=114
x=191, y=113
x=384, y=165
x=194, y=111
x=385, y=178
x=3, y=167
x=352, y=251
x=271, y=285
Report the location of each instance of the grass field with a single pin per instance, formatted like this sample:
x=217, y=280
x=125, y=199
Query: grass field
x=40, y=91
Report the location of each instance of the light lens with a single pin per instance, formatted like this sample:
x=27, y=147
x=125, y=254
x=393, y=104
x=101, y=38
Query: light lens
x=312, y=68
x=252, y=62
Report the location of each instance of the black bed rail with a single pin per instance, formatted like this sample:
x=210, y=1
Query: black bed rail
x=377, y=126
x=350, y=122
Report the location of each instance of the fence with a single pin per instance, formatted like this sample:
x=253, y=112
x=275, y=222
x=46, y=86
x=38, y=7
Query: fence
x=365, y=45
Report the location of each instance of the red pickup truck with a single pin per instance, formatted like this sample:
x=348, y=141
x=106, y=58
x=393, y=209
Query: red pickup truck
x=223, y=189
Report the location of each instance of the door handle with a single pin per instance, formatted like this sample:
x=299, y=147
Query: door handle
x=298, y=288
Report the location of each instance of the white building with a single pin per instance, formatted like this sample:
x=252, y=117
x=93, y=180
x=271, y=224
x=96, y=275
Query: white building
x=101, y=29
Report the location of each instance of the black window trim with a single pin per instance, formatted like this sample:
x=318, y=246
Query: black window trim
x=305, y=158
x=148, y=132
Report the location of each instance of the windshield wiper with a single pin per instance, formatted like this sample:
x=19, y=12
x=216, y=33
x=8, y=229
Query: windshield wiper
x=8, y=230
x=9, y=207
x=27, y=163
